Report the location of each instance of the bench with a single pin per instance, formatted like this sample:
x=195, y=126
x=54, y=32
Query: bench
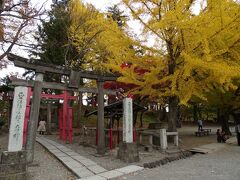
x=163, y=138
x=203, y=132
x=150, y=135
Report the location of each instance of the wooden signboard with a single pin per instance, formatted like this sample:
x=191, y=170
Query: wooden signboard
x=17, y=119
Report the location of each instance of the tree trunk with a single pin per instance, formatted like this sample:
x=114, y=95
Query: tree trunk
x=199, y=112
x=141, y=119
x=218, y=116
x=49, y=118
x=225, y=125
x=173, y=100
x=179, y=122
x=195, y=117
x=162, y=115
x=224, y=117
x=172, y=115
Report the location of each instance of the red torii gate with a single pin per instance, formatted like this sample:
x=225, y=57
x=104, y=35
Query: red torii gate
x=65, y=114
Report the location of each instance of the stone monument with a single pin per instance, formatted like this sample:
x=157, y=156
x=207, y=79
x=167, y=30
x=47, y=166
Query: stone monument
x=13, y=162
x=128, y=151
x=17, y=119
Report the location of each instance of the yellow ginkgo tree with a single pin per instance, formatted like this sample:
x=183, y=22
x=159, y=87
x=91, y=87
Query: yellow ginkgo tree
x=193, y=54
x=97, y=37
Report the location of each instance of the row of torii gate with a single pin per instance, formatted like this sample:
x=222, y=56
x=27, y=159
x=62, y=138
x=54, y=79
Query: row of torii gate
x=65, y=114
x=40, y=68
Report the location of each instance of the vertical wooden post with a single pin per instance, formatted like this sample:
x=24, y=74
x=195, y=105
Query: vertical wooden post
x=79, y=109
x=100, y=119
x=65, y=116
x=96, y=143
x=140, y=138
x=33, y=121
x=110, y=138
x=27, y=113
x=70, y=131
x=134, y=135
x=111, y=134
x=60, y=123
x=118, y=133
x=49, y=117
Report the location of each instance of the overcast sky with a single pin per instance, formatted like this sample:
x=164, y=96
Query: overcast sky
x=100, y=5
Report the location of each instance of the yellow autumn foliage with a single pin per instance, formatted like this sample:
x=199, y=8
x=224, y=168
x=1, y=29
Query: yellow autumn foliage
x=97, y=38
x=194, y=53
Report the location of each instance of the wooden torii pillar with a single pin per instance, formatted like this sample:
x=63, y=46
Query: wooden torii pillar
x=100, y=119
x=33, y=119
x=40, y=68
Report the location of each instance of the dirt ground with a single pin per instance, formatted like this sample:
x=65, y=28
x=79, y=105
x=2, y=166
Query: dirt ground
x=48, y=165
x=187, y=140
x=45, y=166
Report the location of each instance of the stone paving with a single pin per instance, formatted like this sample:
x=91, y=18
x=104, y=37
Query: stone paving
x=82, y=167
x=79, y=165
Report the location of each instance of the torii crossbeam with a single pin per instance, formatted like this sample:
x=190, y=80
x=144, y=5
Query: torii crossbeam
x=40, y=69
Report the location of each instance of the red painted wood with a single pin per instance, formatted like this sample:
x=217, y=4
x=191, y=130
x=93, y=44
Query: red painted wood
x=134, y=135
x=58, y=96
x=52, y=96
x=27, y=114
x=65, y=115
x=65, y=108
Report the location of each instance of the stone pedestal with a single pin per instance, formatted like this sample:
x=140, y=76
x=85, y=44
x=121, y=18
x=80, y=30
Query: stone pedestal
x=13, y=166
x=128, y=152
x=163, y=139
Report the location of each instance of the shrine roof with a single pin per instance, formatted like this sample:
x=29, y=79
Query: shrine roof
x=117, y=108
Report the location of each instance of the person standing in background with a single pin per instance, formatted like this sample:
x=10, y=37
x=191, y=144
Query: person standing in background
x=200, y=123
x=42, y=127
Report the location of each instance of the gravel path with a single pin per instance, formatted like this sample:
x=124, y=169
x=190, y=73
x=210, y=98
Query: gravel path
x=48, y=168
x=110, y=160
x=219, y=165
x=215, y=166
x=187, y=141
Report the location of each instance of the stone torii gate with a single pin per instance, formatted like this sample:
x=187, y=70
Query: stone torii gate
x=40, y=69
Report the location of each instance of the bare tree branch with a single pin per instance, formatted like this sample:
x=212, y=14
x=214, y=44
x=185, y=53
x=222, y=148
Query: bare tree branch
x=15, y=18
x=14, y=40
